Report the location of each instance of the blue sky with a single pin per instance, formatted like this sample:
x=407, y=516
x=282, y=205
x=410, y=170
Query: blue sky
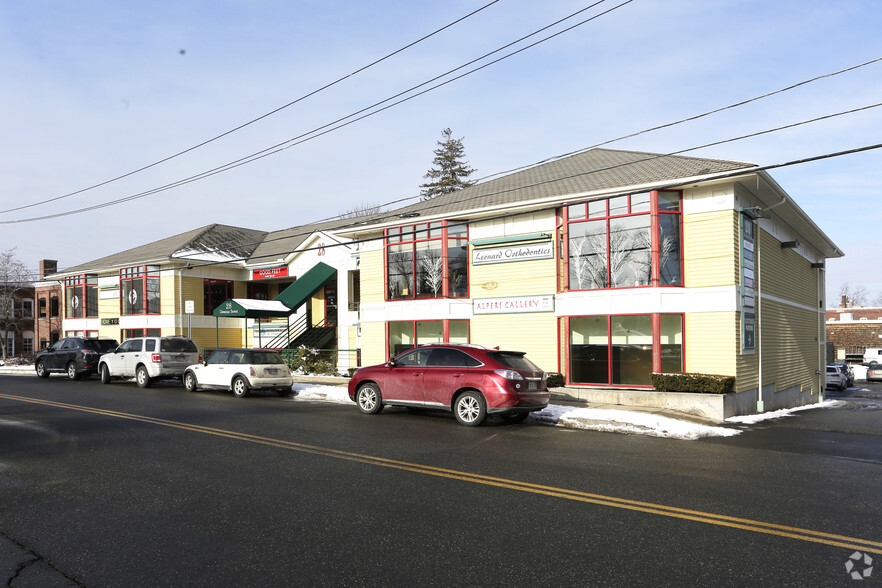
x=93, y=90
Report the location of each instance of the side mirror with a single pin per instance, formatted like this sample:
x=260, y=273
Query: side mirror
x=393, y=363
x=205, y=362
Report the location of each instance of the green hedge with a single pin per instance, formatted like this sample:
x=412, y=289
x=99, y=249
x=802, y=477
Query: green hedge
x=703, y=383
x=555, y=380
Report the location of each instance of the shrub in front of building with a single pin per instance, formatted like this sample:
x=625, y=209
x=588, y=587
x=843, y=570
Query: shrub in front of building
x=309, y=361
x=701, y=383
x=555, y=381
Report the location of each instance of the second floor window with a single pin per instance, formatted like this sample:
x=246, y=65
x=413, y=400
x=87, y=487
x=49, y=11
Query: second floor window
x=81, y=296
x=214, y=293
x=427, y=260
x=624, y=242
x=139, y=290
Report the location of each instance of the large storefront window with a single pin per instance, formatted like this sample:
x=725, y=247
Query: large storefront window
x=428, y=260
x=406, y=335
x=81, y=296
x=215, y=292
x=624, y=242
x=139, y=287
x=623, y=350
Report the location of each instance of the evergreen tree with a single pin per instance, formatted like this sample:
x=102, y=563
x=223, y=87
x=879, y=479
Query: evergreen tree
x=450, y=172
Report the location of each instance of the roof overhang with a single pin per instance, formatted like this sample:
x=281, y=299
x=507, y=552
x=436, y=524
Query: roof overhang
x=306, y=285
x=247, y=308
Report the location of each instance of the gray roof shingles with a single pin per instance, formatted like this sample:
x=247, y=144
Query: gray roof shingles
x=593, y=170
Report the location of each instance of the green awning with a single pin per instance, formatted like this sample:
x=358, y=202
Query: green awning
x=247, y=308
x=306, y=285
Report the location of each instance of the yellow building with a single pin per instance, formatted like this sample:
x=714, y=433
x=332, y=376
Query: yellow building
x=187, y=284
x=607, y=266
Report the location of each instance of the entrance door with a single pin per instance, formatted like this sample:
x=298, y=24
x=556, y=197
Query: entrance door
x=330, y=306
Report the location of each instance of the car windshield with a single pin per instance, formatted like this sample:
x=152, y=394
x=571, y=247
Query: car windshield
x=514, y=360
x=177, y=346
x=100, y=345
x=264, y=357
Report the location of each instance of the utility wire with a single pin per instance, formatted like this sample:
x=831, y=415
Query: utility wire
x=722, y=175
x=684, y=120
x=325, y=129
x=261, y=117
x=749, y=168
x=448, y=202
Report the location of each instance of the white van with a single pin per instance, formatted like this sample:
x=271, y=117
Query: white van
x=872, y=355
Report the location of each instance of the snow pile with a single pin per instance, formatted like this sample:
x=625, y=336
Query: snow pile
x=626, y=421
x=752, y=419
x=596, y=419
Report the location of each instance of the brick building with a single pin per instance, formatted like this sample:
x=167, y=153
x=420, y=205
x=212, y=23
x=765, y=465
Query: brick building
x=851, y=329
x=47, y=322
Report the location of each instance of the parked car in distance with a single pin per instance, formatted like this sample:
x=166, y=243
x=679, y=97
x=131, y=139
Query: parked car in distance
x=835, y=378
x=848, y=372
x=874, y=372
x=148, y=358
x=872, y=355
x=470, y=380
x=74, y=356
x=240, y=371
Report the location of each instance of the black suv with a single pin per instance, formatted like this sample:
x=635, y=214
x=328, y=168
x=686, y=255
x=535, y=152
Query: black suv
x=75, y=356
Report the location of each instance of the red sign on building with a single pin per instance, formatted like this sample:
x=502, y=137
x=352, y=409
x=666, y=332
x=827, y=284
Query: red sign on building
x=269, y=272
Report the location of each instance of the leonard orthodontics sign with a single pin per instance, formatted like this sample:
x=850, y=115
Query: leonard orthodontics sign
x=512, y=253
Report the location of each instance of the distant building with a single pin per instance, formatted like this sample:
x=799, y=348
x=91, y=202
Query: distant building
x=852, y=329
x=47, y=319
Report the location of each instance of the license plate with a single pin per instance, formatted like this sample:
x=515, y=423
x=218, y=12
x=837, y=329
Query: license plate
x=532, y=386
x=271, y=371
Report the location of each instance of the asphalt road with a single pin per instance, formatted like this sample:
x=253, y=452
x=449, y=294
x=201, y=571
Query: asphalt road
x=118, y=486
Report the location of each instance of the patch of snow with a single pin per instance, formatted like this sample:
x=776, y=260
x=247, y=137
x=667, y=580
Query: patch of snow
x=752, y=419
x=595, y=419
x=201, y=255
x=626, y=421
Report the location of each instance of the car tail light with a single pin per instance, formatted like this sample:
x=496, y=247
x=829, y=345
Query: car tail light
x=89, y=352
x=251, y=368
x=509, y=374
x=156, y=358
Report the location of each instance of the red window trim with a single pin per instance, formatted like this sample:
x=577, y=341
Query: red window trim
x=655, y=260
x=445, y=331
x=410, y=234
x=656, y=349
x=140, y=272
x=79, y=283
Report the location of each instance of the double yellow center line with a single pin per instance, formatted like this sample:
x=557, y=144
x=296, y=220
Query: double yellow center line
x=635, y=505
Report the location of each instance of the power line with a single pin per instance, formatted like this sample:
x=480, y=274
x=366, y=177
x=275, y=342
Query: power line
x=719, y=176
x=313, y=134
x=261, y=117
x=684, y=120
x=377, y=217
x=609, y=168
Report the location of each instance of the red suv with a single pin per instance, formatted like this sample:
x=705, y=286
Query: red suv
x=470, y=380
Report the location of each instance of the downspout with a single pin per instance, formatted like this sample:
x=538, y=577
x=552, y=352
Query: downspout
x=822, y=341
x=180, y=275
x=759, y=320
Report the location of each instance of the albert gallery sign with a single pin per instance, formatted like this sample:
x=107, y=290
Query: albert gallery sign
x=542, y=303
x=515, y=253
